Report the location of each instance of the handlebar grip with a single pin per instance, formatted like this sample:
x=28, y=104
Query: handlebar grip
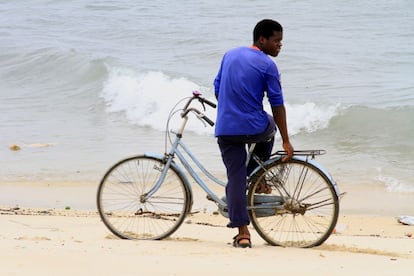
x=205, y=118
x=213, y=105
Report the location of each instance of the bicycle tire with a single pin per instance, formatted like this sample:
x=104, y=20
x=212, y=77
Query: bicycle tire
x=119, y=199
x=305, y=204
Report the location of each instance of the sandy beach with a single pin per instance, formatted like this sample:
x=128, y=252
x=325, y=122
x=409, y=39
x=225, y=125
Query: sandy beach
x=55, y=230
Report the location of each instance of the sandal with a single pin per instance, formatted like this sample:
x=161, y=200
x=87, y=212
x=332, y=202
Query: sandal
x=238, y=238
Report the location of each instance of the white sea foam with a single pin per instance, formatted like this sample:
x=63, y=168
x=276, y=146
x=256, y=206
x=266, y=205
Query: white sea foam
x=147, y=98
x=144, y=98
x=395, y=185
x=309, y=117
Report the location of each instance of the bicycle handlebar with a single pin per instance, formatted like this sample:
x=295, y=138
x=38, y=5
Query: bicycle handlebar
x=213, y=105
x=207, y=119
x=197, y=95
x=187, y=109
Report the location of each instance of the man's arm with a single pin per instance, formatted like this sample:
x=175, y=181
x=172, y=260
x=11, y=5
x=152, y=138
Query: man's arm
x=279, y=115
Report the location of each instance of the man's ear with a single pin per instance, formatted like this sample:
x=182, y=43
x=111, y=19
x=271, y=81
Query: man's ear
x=261, y=40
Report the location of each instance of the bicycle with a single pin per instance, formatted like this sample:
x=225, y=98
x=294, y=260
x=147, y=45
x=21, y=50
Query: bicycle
x=148, y=196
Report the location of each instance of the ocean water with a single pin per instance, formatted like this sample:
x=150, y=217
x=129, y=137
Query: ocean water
x=85, y=83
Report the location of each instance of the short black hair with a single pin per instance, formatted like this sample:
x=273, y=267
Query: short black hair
x=265, y=28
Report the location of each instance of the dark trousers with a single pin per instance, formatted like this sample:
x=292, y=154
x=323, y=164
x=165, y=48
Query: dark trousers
x=234, y=154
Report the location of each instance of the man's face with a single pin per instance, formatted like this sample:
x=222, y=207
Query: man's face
x=272, y=45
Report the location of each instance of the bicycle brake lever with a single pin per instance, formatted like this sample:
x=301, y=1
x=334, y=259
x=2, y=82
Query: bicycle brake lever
x=200, y=117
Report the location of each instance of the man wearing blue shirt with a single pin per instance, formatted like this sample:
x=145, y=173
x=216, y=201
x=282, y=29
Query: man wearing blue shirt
x=246, y=74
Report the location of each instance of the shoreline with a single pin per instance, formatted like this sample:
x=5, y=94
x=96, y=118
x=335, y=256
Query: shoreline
x=361, y=199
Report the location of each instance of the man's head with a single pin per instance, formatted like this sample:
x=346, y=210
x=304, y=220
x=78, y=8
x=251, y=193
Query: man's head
x=267, y=36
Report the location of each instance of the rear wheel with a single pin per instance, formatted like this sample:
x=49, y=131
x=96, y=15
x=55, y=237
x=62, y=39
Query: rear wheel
x=301, y=209
x=124, y=211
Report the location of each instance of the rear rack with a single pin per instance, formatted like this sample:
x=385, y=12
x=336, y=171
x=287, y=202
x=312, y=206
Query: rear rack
x=311, y=153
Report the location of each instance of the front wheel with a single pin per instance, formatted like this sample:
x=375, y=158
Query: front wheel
x=125, y=211
x=301, y=208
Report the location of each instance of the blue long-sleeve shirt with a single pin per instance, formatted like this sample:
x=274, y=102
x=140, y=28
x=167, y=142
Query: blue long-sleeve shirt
x=245, y=75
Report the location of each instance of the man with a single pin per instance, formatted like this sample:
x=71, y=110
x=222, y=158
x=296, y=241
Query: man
x=245, y=75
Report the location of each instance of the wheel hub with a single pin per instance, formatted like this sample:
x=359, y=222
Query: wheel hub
x=295, y=207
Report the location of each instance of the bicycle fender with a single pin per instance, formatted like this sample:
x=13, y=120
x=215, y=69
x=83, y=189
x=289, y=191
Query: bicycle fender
x=323, y=170
x=154, y=155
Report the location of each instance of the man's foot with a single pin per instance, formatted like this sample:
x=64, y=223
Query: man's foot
x=242, y=241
